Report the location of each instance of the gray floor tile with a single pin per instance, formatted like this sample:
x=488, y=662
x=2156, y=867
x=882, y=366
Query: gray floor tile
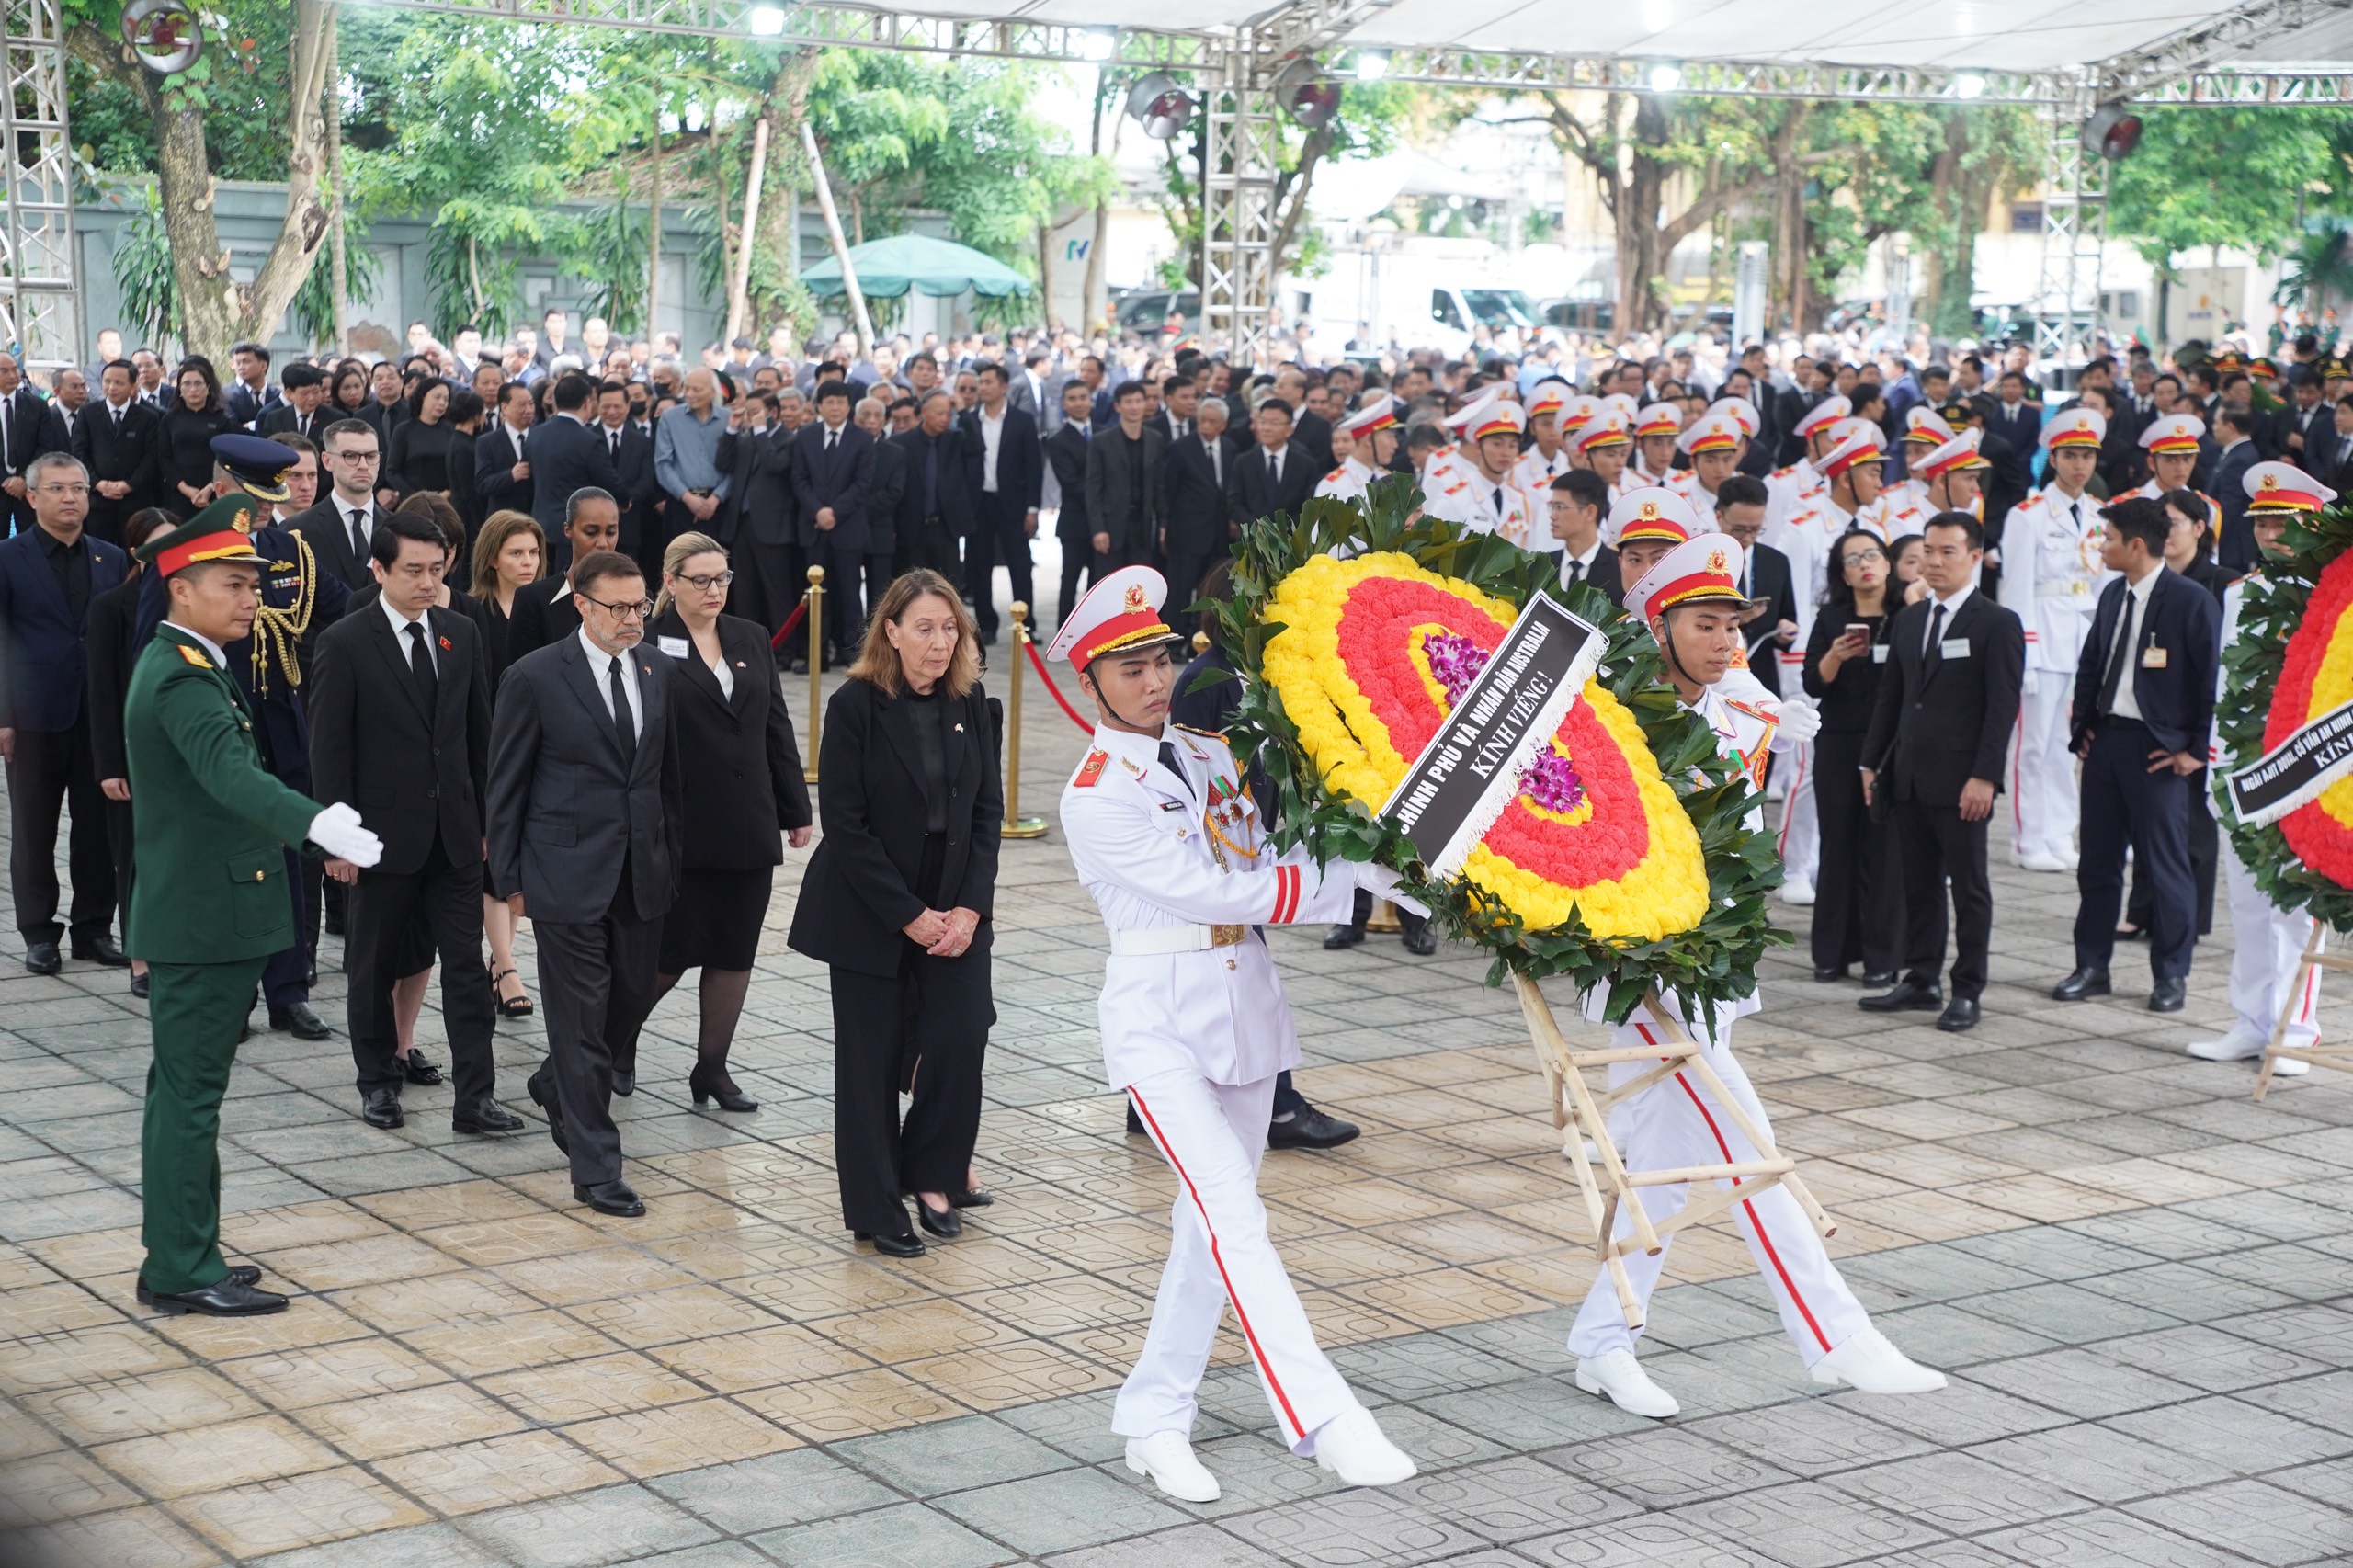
x=2325, y=1400
x=2268, y=1523
x=1653, y=1541
x=1191, y=1546
x=1958, y=1493
x=2100, y=1463
x=1807, y=1524
x=1512, y=1499
x=2209, y=1359
x=2081, y=1383
x=1812, y=1438
x=908, y=1536
x=1666, y=1467
x=2109, y=1540
x=1061, y=1512
x=2232, y=1432
x=951, y=1456
x=420, y=1546
x=620, y=1524
x=778, y=1489
x=1357, y=1528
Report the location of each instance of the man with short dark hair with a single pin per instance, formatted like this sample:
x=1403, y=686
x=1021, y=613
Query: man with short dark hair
x=833, y=469
x=501, y=472
x=120, y=441
x=305, y=390
x=1007, y=482
x=1066, y=451
x=1123, y=483
x=1574, y=504
x=566, y=458
x=249, y=395
x=24, y=432
x=2234, y=426
x=340, y=526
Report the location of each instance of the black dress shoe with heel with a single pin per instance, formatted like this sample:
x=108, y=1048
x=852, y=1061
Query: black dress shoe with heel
x=972, y=1198
x=908, y=1244
x=140, y=985
x=615, y=1196
x=625, y=1081
x=1423, y=943
x=1909, y=997
x=1308, y=1127
x=300, y=1022
x=2082, y=985
x=382, y=1109
x=1824, y=973
x=2168, y=995
x=715, y=1084
x=1961, y=1013
x=486, y=1116
x=1343, y=936
x=42, y=957
x=101, y=949
x=945, y=1223
x=226, y=1298
x=419, y=1068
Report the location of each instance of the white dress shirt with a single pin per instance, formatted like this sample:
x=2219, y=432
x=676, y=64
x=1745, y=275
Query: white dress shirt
x=599, y=665
x=991, y=436
x=220, y=654
x=2127, y=703
x=400, y=623
x=1952, y=611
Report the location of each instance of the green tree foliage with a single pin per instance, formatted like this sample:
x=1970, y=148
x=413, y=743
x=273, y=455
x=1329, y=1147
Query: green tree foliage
x=2246, y=177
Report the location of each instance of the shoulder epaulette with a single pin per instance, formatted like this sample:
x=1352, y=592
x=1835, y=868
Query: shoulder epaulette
x=192, y=656
x=1091, y=769
x=1217, y=735
x=1336, y=474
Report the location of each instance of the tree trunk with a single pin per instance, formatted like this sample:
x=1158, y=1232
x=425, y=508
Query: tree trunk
x=1090, y=312
x=727, y=252
x=738, y=294
x=338, y=257
x=654, y=229
x=841, y=247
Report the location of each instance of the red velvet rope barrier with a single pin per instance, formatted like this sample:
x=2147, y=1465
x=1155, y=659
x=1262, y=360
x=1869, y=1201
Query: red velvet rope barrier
x=799, y=611
x=1054, y=690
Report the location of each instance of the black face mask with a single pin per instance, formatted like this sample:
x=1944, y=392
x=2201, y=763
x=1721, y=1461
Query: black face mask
x=637, y=411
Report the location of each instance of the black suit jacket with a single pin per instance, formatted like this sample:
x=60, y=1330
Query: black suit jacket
x=543, y=613
x=1066, y=454
x=2323, y=464
x=1311, y=433
x=2228, y=487
x=859, y=893
x=133, y=454
x=837, y=479
x=758, y=464
x=886, y=499
x=496, y=486
x=953, y=500
x=280, y=417
x=330, y=542
x=1768, y=580
x=565, y=813
x=1252, y=494
x=416, y=780
x=244, y=406
x=1941, y=723
x=112, y=653
x=566, y=456
x=1020, y=465
x=1192, y=498
x=744, y=779
x=44, y=664
x=1603, y=573
x=1111, y=499
x=2183, y=625
x=26, y=416
x=638, y=492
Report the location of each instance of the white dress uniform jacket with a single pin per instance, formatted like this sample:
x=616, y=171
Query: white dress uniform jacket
x=1454, y=490
x=2051, y=576
x=1348, y=481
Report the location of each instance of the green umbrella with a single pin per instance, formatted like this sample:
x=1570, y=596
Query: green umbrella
x=888, y=269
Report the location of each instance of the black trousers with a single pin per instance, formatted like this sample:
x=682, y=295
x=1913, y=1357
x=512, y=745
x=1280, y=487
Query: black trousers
x=50, y=769
x=928, y=1023
x=590, y=972
x=881, y=569
x=2124, y=803
x=999, y=532
x=1078, y=560
x=285, y=976
x=1936, y=846
x=842, y=595
x=384, y=907
x=936, y=547
x=769, y=580
x=1360, y=911
x=1859, y=889
x=2205, y=860
x=1186, y=570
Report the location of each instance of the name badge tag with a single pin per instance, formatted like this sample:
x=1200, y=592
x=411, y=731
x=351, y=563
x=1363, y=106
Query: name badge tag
x=676, y=647
x=1878, y=654
x=2152, y=658
x=1953, y=648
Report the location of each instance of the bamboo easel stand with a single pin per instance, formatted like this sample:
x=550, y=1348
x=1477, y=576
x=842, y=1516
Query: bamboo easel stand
x=1604, y=1182
x=815, y=599
x=2338, y=1057
x=1015, y=825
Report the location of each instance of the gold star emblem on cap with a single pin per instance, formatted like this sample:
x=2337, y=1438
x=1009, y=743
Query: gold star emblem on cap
x=1135, y=600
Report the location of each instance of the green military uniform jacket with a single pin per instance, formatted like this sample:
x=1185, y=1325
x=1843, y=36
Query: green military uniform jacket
x=210, y=826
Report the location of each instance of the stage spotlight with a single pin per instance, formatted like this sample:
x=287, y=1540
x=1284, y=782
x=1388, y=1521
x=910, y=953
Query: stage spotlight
x=764, y=22
x=1098, y=43
x=1666, y=77
x=2112, y=132
x=164, y=34
x=1372, y=64
x=1306, y=92
x=1160, y=105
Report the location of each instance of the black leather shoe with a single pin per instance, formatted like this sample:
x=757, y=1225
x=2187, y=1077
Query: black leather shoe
x=487, y=1115
x=1343, y=936
x=311, y=978
x=624, y=1084
x=716, y=1085
x=42, y=958
x=419, y=1068
x=1909, y=997
x=244, y=1274
x=1308, y=1127
x=1960, y=1013
x=972, y=1198
x=2168, y=995
x=907, y=1246
x=1135, y=1123
x=1827, y=972
x=2084, y=982
x=948, y=1225
x=1879, y=978
x=1421, y=943
x=382, y=1109
x=227, y=1297
x=615, y=1196
x=102, y=948
x=300, y=1022
x=555, y=1116
x=139, y=984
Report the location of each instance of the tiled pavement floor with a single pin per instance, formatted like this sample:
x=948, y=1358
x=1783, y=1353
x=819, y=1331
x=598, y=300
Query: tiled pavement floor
x=2141, y=1283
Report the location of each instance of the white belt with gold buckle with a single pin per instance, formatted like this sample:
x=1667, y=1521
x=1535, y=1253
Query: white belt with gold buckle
x=1158, y=940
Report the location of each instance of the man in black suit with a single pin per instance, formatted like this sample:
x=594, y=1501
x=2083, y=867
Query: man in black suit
x=1770, y=623
x=585, y=821
x=632, y=450
x=760, y=520
x=1274, y=476
x=24, y=435
x=299, y=410
x=2233, y=428
x=565, y=456
x=1948, y=701
x=502, y=470
x=1195, y=528
x=121, y=441
x=546, y=611
x=1007, y=479
x=248, y=394
x=832, y=465
x=1123, y=483
x=346, y=518
x=936, y=499
x=2311, y=427
x=2331, y=461
x=1066, y=451
x=400, y=731
x=885, y=495
x=1575, y=505
x=2143, y=710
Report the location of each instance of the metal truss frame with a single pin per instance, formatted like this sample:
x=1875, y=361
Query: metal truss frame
x=41, y=303
x=2068, y=314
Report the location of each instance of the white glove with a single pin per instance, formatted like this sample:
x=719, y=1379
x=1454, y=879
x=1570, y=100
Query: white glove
x=1800, y=720
x=1382, y=882
x=2026, y=683
x=337, y=830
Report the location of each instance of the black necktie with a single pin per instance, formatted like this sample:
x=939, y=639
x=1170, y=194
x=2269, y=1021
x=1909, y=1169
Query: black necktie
x=1274, y=469
x=624, y=728
x=420, y=665
x=613, y=445
x=1934, y=655
x=2114, y=675
x=831, y=436
x=359, y=538
x=1576, y=571
x=1168, y=760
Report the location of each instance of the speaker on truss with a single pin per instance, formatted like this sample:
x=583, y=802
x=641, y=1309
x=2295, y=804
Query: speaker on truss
x=2112, y=131
x=164, y=34
x=1306, y=92
x=1160, y=103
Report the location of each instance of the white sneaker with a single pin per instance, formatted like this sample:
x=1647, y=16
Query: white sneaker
x=1867, y=1362
x=1352, y=1448
x=1620, y=1378
x=2044, y=863
x=2236, y=1046
x=1799, y=893
x=1167, y=1457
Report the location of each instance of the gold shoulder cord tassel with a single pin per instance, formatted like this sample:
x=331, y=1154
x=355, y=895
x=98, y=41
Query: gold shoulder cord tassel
x=277, y=633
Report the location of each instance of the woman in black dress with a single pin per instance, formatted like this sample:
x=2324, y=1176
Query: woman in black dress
x=1858, y=908
x=508, y=551
x=745, y=798
x=195, y=419
x=423, y=444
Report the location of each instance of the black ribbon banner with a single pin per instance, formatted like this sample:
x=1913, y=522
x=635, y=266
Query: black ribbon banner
x=2294, y=772
x=1471, y=768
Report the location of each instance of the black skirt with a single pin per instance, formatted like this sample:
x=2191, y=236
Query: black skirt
x=715, y=924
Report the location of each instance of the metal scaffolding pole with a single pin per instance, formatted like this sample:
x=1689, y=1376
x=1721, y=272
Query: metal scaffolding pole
x=2069, y=314
x=40, y=307
x=1238, y=203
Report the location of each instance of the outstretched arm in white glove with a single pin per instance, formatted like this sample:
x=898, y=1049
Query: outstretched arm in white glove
x=337, y=830
x=1382, y=882
x=1799, y=722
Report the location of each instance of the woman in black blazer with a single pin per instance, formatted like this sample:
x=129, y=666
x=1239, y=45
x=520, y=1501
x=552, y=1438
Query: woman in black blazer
x=423, y=445
x=897, y=903
x=195, y=417
x=1859, y=895
x=746, y=797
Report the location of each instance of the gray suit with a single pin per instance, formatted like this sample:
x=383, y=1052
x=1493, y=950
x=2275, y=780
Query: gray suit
x=592, y=844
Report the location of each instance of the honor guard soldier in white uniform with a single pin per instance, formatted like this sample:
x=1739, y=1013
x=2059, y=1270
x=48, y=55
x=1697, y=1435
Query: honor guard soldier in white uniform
x=1576, y=412
x=1371, y=431
x=1604, y=445
x=2171, y=441
x=2051, y=576
x=1714, y=444
x=1480, y=491
x=1847, y=474
x=1692, y=603
x=2270, y=939
x=1166, y=840
x=1548, y=456
x=1648, y=524
x=1902, y=505
x=1951, y=477
x=1790, y=489
x=1655, y=429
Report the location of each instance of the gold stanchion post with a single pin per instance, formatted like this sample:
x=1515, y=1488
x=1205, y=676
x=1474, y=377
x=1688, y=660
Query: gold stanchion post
x=1015, y=825
x=815, y=599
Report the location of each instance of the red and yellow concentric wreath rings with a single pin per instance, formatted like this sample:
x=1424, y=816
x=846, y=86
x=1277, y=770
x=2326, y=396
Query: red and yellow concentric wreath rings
x=2315, y=677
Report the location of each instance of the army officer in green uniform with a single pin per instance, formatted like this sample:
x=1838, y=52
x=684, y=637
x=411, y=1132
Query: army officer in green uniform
x=210, y=831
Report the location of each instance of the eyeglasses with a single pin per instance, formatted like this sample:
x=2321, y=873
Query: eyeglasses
x=637, y=611
x=705, y=583
x=62, y=489
x=371, y=455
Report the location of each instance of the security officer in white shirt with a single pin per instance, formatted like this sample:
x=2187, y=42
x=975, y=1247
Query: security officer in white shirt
x=1166, y=840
